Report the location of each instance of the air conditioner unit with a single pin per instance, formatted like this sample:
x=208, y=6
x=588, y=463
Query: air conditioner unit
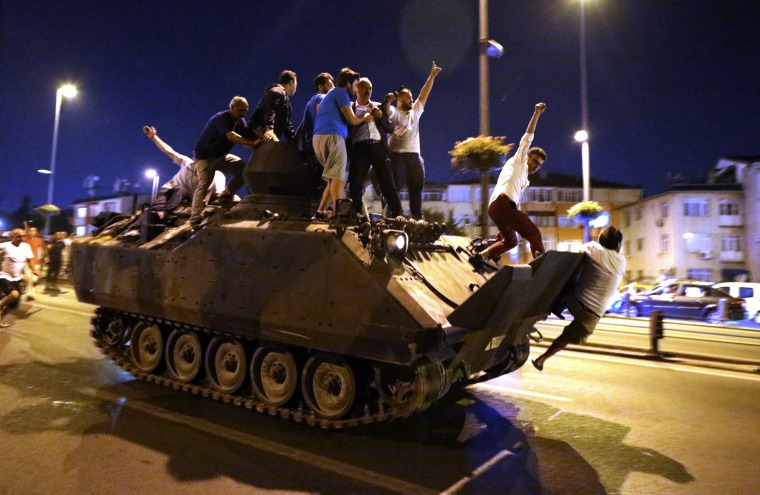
x=705, y=256
x=659, y=222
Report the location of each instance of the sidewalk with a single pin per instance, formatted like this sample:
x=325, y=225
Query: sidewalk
x=65, y=299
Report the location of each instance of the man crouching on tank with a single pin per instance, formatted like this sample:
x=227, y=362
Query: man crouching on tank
x=601, y=273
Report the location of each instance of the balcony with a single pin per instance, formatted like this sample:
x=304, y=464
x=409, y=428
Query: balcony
x=731, y=256
x=730, y=221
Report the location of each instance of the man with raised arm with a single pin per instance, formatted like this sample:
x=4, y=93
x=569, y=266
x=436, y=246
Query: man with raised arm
x=181, y=187
x=404, y=143
x=504, y=205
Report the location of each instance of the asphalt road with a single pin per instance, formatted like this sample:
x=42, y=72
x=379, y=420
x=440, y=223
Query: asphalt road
x=71, y=423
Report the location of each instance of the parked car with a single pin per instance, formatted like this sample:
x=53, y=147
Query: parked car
x=686, y=299
x=616, y=303
x=748, y=291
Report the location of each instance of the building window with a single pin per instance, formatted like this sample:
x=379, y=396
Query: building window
x=433, y=196
x=459, y=195
x=665, y=243
x=81, y=230
x=704, y=274
x=538, y=195
x=569, y=195
x=639, y=244
x=695, y=207
x=639, y=213
x=542, y=218
x=697, y=243
x=627, y=250
x=627, y=218
x=639, y=274
x=729, y=207
x=82, y=212
x=731, y=243
x=566, y=222
x=110, y=206
x=664, y=210
x=549, y=243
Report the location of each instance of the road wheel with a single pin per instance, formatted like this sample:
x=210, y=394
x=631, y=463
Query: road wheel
x=713, y=317
x=184, y=355
x=274, y=375
x=226, y=364
x=328, y=386
x=634, y=311
x=146, y=347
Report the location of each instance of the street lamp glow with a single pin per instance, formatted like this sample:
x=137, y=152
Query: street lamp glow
x=494, y=49
x=152, y=174
x=44, y=171
x=581, y=136
x=68, y=91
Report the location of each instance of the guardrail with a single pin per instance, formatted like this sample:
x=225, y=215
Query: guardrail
x=665, y=338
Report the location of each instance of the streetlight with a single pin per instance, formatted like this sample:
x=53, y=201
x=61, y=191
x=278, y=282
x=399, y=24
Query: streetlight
x=68, y=91
x=152, y=174
x=582, y=135
x=493, y=49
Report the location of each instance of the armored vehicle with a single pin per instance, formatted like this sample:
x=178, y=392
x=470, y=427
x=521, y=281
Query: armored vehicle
x=332, y=322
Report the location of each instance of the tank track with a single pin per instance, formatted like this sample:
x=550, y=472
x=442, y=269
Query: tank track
x=115, y=351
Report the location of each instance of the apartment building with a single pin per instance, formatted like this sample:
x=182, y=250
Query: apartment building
x=85, y=210
x=689, y=231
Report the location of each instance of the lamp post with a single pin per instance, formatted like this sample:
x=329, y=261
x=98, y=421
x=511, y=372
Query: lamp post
x=69, y=91
x=582, y=135
x=152, y=174
x=488, y=48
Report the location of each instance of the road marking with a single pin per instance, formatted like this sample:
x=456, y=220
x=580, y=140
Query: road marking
x=525, y=393
x=56, y=308
x=456, y=487
x=742, y=375
x=387, y=483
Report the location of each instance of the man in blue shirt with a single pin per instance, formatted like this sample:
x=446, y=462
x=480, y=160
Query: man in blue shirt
x=324, y=83
x=330, y=133
x=222, y=132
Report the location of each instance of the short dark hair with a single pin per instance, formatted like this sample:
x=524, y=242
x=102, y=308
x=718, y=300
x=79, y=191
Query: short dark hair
x=322, y=79
x=611, y=238
x=287, y=76
x=347, y=77
x=537, y=151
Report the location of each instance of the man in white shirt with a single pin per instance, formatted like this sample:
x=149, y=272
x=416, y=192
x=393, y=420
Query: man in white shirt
x=182, y=186
x=504, y=205
x=16, y=256
x=404, y=143
x=368, y=149
x=601, y=273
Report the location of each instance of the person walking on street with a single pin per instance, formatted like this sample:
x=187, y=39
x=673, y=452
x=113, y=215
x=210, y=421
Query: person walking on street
x=15, y=256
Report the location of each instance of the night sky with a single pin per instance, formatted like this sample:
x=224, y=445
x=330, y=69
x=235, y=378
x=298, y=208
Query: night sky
x=673, y=84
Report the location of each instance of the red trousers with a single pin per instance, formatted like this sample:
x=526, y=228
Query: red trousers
x=511, y=221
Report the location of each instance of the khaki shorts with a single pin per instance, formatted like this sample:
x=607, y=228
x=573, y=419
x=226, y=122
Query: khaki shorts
x=583, y=323
x=331, y=153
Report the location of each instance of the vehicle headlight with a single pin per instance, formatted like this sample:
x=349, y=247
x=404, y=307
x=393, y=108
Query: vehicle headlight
x=390, y=242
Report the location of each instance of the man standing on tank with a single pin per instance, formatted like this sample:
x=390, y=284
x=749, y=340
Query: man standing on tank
x=404, y=142
x=504, y=204
x=330, y=133
x=222, y=132
x=271, y=119
x=368, y=148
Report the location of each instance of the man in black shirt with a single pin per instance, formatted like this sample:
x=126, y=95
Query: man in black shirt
x=222, y=132
x=271, y=119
